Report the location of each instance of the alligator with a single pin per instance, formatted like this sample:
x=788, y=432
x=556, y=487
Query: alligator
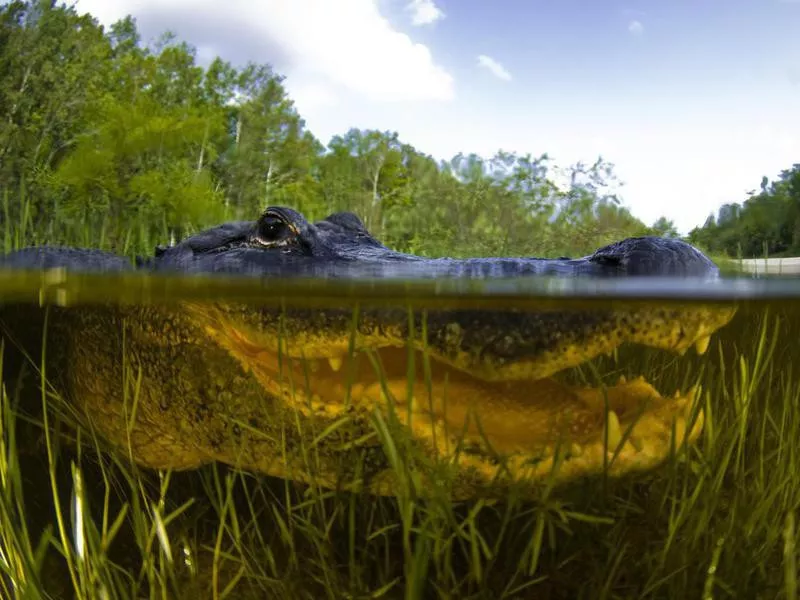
x=347, y=397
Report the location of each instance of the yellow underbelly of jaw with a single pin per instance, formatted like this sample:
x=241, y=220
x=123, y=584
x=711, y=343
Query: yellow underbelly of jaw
x=517, y=429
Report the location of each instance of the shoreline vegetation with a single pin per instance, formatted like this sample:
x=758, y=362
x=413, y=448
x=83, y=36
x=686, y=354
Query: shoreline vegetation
x=108, y=142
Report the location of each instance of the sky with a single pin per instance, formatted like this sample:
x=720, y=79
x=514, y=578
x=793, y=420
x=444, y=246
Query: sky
x=693, y=101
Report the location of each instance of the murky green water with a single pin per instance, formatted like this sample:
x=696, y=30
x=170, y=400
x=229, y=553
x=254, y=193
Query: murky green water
x=174, y=355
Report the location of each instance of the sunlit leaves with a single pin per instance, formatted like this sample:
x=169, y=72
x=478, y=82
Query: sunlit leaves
x=766, y=224
x=102, y=132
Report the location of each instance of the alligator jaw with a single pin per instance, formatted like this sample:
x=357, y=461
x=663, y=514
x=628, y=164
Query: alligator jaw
x=516, y=430
x=542, y=430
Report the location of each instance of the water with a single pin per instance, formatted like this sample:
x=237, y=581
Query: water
x=58, y=286
x=717, y=514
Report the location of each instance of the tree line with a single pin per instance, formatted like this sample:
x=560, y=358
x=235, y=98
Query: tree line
x=766, y=224
x=109, y=142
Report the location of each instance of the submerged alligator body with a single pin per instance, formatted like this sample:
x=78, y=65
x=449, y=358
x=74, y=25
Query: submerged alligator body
x=318, y=394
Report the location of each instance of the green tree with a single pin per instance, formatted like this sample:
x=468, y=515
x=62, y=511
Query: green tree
x=270, y=156
x=664, y=227
x=765, y=224
x=107, y=141
x=53, y=69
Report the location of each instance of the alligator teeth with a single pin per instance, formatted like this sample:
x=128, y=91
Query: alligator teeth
x=701, y=345
x=335, y=362
x=613, y=429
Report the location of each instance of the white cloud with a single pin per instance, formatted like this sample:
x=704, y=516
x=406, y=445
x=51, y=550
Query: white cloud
x=498, y=70
x=350, y=43
x=635, y=27
x=346, y=43
x=424, y=12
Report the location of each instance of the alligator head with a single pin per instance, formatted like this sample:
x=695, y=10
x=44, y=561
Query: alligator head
x=477, y=391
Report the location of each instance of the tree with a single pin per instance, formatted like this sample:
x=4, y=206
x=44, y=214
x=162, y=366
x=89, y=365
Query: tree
x=766, y=224
x=665, y=228
x=53, y=70
x=269, y=150
x=107, y=141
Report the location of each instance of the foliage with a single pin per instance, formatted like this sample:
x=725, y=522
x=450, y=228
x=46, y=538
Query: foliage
x=766, y=224
x=719, y=520
x=101, y=133
x=105, y=142
x=138, y=144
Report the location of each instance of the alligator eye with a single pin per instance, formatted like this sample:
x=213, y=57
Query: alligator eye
x=272, y=231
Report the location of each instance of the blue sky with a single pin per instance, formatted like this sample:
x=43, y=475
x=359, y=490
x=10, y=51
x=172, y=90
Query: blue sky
x=692, y=100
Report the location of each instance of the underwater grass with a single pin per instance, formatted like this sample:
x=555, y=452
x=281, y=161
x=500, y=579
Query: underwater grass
x=716, y=521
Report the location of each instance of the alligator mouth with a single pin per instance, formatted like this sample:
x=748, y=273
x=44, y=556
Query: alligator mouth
x=522, y=429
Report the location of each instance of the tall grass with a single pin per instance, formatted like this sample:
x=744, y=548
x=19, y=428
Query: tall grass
x=719, y=521
x=23, y=224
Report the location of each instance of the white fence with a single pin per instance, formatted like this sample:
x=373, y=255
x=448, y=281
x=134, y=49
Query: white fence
x=771, y=266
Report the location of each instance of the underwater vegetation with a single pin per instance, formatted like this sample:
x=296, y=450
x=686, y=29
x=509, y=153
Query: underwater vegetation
x=81, y=518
